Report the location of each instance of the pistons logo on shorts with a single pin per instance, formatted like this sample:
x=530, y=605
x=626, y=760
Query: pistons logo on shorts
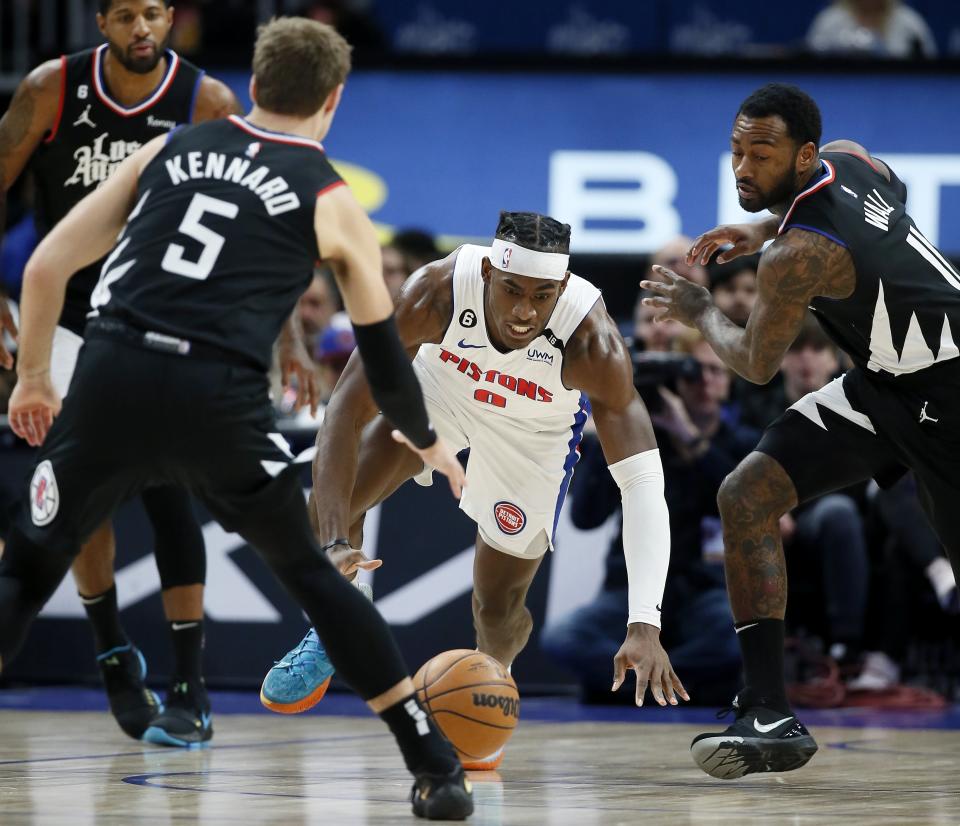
x=510, y=519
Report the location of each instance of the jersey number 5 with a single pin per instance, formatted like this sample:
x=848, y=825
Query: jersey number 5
x=173, y=260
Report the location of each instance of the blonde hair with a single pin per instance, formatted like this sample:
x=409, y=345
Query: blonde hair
x=297, y=63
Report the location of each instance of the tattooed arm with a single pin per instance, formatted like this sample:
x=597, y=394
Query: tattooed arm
x=797, y=267
x=32, y=113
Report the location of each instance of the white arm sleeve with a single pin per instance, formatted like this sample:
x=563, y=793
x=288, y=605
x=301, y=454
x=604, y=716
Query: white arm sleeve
x=646, y=533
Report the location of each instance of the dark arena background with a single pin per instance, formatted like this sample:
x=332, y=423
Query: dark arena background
x=613, y=117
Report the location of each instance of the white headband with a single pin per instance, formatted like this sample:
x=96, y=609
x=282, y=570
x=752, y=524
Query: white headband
x=511, y=257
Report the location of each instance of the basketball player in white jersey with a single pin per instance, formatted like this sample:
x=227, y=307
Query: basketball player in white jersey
x=508, y=345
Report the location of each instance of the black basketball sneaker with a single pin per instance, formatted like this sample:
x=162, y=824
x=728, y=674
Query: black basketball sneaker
x=186, y=720
x=133, y=705
x=759, y=740
x=442, y=796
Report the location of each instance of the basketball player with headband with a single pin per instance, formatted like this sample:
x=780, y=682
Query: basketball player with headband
x=513, y=353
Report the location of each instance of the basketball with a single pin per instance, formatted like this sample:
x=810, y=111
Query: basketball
x=472, y=699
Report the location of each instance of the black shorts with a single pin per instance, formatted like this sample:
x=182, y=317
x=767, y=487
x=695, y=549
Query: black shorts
x=858, y=427
x=137, y=418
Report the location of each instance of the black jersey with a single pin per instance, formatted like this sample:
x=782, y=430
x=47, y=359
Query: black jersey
x=93, y=134
x=221, y=242
x=904, y=314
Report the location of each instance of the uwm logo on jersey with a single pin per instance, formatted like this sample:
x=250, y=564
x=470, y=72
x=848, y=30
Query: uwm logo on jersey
x=96, y=162
x=513, y=384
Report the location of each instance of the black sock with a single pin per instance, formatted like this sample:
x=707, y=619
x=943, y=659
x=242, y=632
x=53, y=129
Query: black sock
x=423, y=747
x=104, y=618
x=187, y=636
x=761, y=642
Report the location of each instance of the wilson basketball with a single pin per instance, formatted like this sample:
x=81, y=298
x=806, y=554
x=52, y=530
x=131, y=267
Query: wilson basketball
x=472, y=699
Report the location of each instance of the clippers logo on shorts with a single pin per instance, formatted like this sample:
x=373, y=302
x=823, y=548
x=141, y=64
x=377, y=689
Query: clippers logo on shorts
x=468, y=318
x=507, y=255
x=510, y=519
x=44, y=495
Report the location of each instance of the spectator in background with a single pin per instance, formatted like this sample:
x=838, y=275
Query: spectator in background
x=408, y=250
x=810, y=362
x=871, y=28
x=658, y=337
x=698, y=450
x=332, y=351
x=317, y=306
x=734, y=287
x=824, y=539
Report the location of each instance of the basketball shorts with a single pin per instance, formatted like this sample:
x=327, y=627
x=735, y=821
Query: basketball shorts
x=139, y=418
x=858, y=427
x=517, y=478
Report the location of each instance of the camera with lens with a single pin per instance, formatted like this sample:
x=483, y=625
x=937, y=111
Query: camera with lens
x=653, y=370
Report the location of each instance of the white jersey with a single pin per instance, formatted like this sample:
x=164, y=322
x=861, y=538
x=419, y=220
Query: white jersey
x=524, y=385
x=523, y=427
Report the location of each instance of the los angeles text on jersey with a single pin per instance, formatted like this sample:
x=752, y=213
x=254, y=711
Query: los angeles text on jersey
x=96, y=162
x=522, y=387
x=275, y=192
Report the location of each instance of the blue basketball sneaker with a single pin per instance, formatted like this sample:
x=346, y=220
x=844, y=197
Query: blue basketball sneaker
x=298, y=681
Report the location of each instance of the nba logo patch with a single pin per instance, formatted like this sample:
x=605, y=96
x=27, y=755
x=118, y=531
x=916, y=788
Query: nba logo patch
x=507, y=253
x=253, y=149
x=44, y=495
x=510, y=519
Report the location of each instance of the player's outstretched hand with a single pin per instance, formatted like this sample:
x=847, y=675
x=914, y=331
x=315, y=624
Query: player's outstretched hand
x=7, y=324
x=295, y=362
x=440, y=457
x=676, y=297
x=642, y=652
x=745, y=239
x=33, y=406
x=350, y=561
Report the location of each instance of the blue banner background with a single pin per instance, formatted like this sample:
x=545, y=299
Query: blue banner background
x=448, y=150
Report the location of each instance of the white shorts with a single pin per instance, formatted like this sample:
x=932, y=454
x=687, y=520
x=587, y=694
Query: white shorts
x=63, y=359
x=516, y=478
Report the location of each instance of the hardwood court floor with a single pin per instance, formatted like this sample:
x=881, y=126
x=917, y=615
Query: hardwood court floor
x=75, y=768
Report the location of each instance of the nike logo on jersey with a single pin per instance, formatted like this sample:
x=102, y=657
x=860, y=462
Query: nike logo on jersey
x=849, y=191
x=766, y=728
x=463, y=343
x=183, y=626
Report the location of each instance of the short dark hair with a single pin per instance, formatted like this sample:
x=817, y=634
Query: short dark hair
x=811, y=334
x=415, y=242
x=799, y=111
x=721, y=274
x=297, y=63
x=534, y=231
x=104, y=5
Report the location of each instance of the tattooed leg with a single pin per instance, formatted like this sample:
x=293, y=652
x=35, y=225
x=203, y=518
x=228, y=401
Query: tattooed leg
x=751, y=500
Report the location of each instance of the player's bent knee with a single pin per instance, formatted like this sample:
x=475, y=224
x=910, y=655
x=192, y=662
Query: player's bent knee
x=758, y=488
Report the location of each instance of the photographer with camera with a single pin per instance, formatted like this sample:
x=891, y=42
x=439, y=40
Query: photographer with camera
x=685, y=391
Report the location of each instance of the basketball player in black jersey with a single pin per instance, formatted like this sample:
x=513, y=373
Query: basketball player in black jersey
x=72, y=121
x=217, y=228
x=844, y=245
